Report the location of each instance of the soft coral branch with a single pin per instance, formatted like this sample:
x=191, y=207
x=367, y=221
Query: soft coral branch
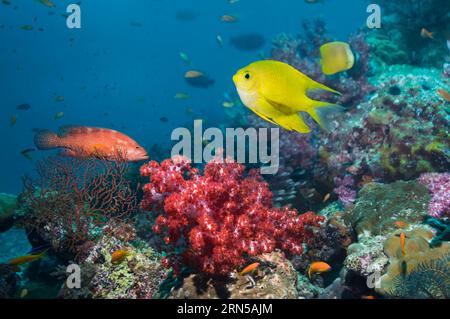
x=222, y=217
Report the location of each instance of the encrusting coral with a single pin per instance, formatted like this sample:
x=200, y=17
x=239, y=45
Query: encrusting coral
x=275, y=278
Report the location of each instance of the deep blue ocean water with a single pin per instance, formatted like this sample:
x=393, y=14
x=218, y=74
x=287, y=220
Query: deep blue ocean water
x=125, y=62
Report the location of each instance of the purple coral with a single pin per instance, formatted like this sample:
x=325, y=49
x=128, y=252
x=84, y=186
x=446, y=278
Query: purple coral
x=439, y=186
x=344, y=189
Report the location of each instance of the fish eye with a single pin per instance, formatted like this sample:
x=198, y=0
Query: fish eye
x=247, y=75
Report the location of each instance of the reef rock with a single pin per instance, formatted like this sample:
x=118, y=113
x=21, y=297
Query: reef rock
x=331, y=244
x=138, y=276
x=306, y=289
x=366, y=256
x=8, y=206
x=275, y=278
x=379, y=206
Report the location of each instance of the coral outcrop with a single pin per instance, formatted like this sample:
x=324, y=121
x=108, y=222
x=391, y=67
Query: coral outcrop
x=138, y=276
x=274, y=279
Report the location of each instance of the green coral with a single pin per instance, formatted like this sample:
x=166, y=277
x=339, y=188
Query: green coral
x=380, y=205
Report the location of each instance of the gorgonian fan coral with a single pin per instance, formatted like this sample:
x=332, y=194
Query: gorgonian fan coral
x=221, y=217
x=73, y=201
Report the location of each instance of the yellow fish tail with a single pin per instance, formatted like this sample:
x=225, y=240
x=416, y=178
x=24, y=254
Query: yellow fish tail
x=322, y=111
x=313, y=85
x=292, y=121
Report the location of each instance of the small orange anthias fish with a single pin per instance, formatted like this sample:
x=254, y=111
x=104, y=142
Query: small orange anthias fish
x=318, y=267
x=444, y=94
x=368, y=297
x=85, y=142
x=16, y=262
x=424, y=33
x=402, y=243
x=249, y=269
x=119, y=255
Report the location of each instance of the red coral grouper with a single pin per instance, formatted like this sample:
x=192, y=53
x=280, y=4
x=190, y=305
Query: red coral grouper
x=83, y=141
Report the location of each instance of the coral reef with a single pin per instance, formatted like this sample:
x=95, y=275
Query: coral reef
x=332, y=241
x=399, y=41
x=274, y=279
x=222, y=216
x=379, y=206
x=345, y=189
x=302, y=52
x=366, y=256
x=398, y=134
x=439, y=186
x=420, y=272
x=138, y=276
x=73, y=201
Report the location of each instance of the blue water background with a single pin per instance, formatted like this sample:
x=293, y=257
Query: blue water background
x=130, y=72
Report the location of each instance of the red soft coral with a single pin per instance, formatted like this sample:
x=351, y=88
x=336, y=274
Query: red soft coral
x=221, y=217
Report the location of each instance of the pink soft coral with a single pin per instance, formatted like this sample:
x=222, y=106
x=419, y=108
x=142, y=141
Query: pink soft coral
x=221, y=217
x=439, y=186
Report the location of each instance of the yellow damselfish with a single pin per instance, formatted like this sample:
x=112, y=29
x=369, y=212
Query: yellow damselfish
x=336, y=57
x=276, y=92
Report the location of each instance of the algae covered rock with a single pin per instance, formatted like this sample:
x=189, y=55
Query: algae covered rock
x=420, y=271
x=379, y=206
x=366, y=256
x=275, y=278
x=8, y=206
x=138, y=276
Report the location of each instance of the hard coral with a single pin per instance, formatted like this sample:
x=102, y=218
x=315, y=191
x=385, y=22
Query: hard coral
x=379, y=206
x=398, y=134
x=137, y=277
x=221, y=217
x=275, y=278
x=439, y=186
